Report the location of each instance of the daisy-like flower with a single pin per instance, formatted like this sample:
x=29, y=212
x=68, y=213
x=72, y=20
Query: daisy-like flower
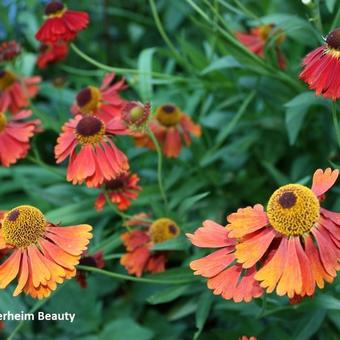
x=15, y=91
x=94, y=158
x=9, y=50
x=257, y=39
x=104, y=102
x=61, y=23
x=322, y=67
x=139, y=257
x=121, y=191
x=43, y=254
x=135, y=115
x=15, y=133
x=52, y=53
x=170, y=126
x=291, y=248
x=96, y=260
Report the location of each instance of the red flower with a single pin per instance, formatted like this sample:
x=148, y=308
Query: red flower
x=139, y=257
x=121, y=191
x=61, y=23
x=94, y=158
x=322, y=67
x=52, y=53
x=15, y=135
x=292, y=248
x=135, y=114
x=9, y=50
x=257, y=39
x=96, y=260
x=15, y=92
x=104, y=102
x=169, y=126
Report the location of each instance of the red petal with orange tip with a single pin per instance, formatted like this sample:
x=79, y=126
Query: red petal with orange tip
x=211, y=235
x=324, y=180
x=135, y=239
x=136, y=261
x=213, y=264
x=246, y=221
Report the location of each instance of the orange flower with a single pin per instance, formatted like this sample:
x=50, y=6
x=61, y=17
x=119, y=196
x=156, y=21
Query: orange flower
x=93, y=156
x=15, y=92
x=292, y=248
x=169, y=126
x=139, y=257
x=121, y=191
x=15, y=135
x=257, y=39
x=43, y=254
x=104, y=102
x=244, y=337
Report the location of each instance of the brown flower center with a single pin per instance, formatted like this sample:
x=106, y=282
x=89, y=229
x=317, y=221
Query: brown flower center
x=23, y=226
x=88, y=99
x=54, y=8
x=7, y=78
x=3, y=121
x=333, y=39
x=115, y=184
x=163, y=229
x=168, y=115
x=90, y=130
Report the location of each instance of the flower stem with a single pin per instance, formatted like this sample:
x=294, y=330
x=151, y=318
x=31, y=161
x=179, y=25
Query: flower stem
x=133, y=278
x=159, y=168
x=336, y=122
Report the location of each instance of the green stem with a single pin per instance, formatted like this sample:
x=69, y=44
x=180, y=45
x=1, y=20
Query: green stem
x=124, y=70
x=113, y=256
x=245, y=10
x=317, y=16
x=45, y=166
x=336, y=122
x=336, y=19
x=164, y=35
x=133, y=278
x=159, y=168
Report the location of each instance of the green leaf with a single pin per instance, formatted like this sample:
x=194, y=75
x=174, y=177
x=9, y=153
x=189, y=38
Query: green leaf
x=124, y=329
x=309, y=325
x=221, y=63
x=179, y=243
x=330, y=5
x=145, y=69
x=296, y=110
x=167, y=295
x=190, y=201
x=202, y=312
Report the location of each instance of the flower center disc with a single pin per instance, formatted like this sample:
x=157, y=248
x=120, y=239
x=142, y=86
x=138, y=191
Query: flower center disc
x=23, y=226
x=333, y=39
x=163, y=229
x=115, y=184
x=293, y=209
x=168, y=115
x=7, y=78
x=54, y=9
x=3, y=121
x=90, y=130
x=88, y=99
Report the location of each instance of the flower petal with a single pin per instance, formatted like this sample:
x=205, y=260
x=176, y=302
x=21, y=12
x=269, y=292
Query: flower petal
x=324, y=180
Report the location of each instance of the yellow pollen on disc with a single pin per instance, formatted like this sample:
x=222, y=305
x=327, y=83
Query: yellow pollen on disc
x=163, y=229
x=7, y=78
x=293, y=210
x=3, y=121
x=23, y=226
x=168, y=115
x=332, y=52
x=88, y=99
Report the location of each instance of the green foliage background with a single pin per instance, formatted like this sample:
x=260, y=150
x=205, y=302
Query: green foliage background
x=262, y=128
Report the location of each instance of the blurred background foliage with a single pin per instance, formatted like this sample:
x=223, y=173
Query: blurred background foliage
x=261, y=128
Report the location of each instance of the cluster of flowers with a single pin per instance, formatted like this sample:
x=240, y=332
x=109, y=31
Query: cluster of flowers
x=291, y=248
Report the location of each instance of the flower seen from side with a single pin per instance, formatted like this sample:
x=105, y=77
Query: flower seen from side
x=61, y=24
x=52, y=53
x=139, y=257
